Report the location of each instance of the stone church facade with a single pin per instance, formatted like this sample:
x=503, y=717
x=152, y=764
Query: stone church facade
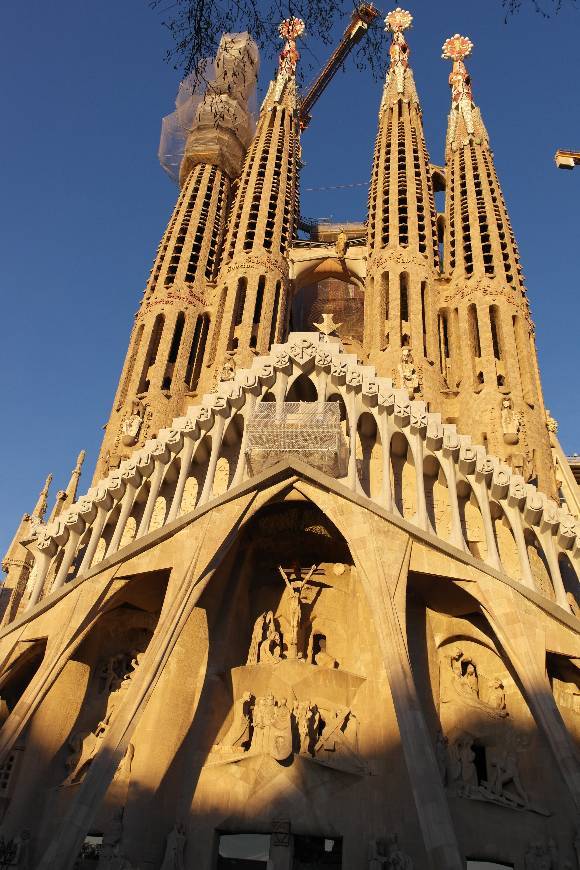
x=319, y=607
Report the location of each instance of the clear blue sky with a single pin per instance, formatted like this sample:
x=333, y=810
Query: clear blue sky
x=83, y=201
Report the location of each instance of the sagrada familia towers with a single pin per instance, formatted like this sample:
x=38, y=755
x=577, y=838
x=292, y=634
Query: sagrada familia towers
x=320, y=605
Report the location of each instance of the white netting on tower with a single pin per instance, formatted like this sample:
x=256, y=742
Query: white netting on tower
x=222, y=93
x=308, y=430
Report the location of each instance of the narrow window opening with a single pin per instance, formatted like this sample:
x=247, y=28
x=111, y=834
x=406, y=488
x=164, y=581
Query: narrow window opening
x=151, y=355
x=424, y=315
x=275, y=313
x=495, y=338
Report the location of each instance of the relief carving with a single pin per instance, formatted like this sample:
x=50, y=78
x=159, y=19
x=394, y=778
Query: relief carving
x=386, y=853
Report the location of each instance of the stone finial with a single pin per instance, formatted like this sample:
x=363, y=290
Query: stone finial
x=396, y=22
x=456, y=48
x=290, y=29
x=65, y=497
x=40, y=509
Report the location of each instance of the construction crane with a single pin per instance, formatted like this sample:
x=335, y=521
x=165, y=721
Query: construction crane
x=362, y=17
x=567, y=159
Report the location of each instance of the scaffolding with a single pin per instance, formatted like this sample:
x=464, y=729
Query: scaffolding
x=310, y=431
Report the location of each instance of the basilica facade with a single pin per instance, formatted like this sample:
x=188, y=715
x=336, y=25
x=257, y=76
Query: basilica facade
x=320, y=605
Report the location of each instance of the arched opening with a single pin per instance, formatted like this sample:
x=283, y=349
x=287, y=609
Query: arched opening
x=173, y=351
x=229, y=455
x=539, y=565
x=403, y=476
x=19, y=674
x=471, y=521
x=272, y=617
x=369, y=455
x=437, y=497
x=302, y=390
x=151, y=355
x=197, y=352
x=339, y=296
x=570, y=581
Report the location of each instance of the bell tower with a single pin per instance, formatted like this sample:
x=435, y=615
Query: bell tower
x=403, y=256
x=164, y=363
x=253, y=283
x=486, y=335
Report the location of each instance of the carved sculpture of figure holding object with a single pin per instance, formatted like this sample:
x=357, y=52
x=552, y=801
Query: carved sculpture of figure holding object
x=271, y=647
x=296, y=590
x=506, y=773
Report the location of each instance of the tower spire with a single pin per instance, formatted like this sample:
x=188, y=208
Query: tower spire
x=40, y=508
x=253, y=282
x=65, y=497
x=164, y=363
x=402, y=232
x=484, y=306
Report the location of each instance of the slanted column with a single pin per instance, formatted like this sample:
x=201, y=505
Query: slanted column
x=217, y=434
x=448, y=459
x=160, y=457
x=45, y=550
x=75, y=525
x=104, y=503
x=483, y=471
x=190, y=439
x=241, y=466
x=132, y=478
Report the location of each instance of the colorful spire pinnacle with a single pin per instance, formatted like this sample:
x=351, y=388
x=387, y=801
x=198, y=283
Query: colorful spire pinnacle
x=396, y=22
x=290, y=29
x=456, y=48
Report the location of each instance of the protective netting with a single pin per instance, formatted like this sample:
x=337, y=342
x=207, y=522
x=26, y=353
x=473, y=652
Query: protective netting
x=308, y=430
x=222, y=93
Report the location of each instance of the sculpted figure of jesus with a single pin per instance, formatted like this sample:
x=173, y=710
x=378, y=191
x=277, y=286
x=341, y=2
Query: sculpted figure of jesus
x=296, y=589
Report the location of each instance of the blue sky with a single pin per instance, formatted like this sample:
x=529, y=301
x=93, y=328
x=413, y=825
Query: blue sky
x=83, y=201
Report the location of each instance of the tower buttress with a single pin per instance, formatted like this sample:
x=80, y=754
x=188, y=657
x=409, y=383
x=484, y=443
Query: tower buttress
x=486, y=335
x=403, y=255
x=163, y=366
x=253, y=283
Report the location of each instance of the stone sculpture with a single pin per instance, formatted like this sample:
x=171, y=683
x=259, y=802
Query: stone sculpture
x=497, y=694
x=341, y=244
x=541, y=856
x=296, y=589
x=467, y=684
x=323, y=658
x=510, y=423
x=239, y=735
x=408, y=377
x=131, y=425
x=386, y=853
x=173, y=858
x=505, y=772
x=307, y=718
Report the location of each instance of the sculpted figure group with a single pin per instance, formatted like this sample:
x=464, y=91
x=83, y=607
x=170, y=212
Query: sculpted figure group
x=114, y=678
x=466, y=683
x=386, y=853
x=267, y=725
x=457, y=766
